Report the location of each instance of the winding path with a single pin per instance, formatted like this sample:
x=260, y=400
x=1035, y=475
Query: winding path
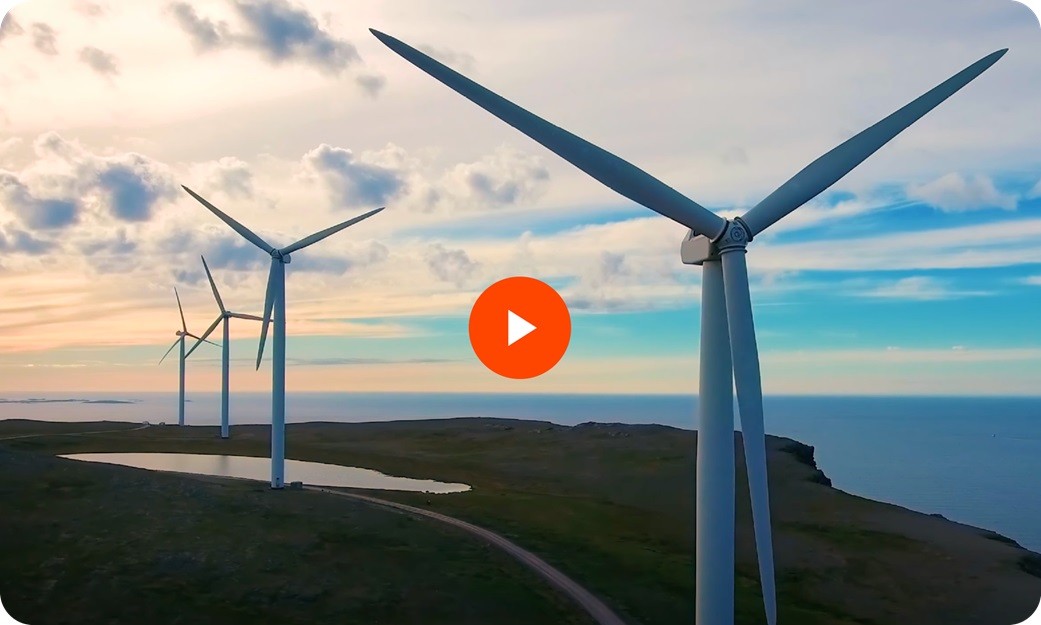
x=596, y=608
x=587, y=600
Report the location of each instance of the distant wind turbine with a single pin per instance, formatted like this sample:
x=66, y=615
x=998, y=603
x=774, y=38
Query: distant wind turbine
x=225, y=315
x=728, y=346
x=275, y=300
x=181, y=335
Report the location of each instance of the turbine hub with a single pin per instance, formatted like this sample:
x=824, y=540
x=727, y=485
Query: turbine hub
x=698, y=248
x=280, y=257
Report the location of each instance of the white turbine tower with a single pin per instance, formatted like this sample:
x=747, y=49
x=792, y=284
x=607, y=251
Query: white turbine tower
x=225, y=315
x=274, y=300
x=182, y=334
x=728, y=345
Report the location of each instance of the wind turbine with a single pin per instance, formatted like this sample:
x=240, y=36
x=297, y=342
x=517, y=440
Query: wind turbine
x=275, y=299
x=225, y=315
x=181, y=335
x=728, y=346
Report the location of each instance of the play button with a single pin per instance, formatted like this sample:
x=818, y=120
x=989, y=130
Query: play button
x=520, y=327
x=516, y=328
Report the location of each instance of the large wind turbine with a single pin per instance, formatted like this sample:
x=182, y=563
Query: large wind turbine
x=728, y=346
x=275, y=300
x=225, y=315
x=182, y=334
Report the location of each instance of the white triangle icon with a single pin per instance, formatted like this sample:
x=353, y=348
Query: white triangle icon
x=516, y=328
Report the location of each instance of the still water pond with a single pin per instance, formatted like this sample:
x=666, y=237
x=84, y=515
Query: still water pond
x=310, y=473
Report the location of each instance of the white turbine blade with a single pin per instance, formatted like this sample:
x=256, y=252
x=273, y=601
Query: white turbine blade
x=236, y=226
x=213, y=285
x=318, y=236
x=202, y=338
x=169, y=350
x=828, y=169
x=184, y=326
x=750, y=405
x=245, y=316
x=617, y=174
x=269, y=303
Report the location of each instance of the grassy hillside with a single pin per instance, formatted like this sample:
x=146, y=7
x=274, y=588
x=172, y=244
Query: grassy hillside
x=610, y=505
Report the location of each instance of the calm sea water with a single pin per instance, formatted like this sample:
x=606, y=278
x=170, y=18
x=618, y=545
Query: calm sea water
x=974, y=460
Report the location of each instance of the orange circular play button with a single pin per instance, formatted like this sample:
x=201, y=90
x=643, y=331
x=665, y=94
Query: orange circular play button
x=520, y=327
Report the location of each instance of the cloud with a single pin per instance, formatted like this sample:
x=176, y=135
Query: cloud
x=285, y=32
x=337, y=362
x=15, y=241
x=1032, y=280
x=462, y=61
x=1036, y=191
x=505, y=177
x=10, y=28
x=204, y=33
x=353, y=181
x=100, y=61
x=282, y=32
x=134, y=186
x=918, y=288
x=65, y=179
x=45, y=39
x=232, y=176
x=45, y=213
x=372, y=84
x=88, y=8
x=450, y=265
x=955, y=193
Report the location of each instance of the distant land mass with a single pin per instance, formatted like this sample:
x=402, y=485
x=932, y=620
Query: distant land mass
x=41, y=400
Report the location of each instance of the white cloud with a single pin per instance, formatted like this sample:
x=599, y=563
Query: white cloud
x=1036, y=191
x=918, y=288
x=955, y=193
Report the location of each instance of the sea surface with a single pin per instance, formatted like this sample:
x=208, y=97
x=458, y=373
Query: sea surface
x=973, y=460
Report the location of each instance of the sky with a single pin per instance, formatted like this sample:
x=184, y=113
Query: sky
x=918, y=273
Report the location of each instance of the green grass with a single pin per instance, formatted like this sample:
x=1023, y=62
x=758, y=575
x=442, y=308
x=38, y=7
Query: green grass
x=610, y=506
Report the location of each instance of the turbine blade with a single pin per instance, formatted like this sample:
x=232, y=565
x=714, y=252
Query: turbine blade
x=213, y=285
x=269, y=303
x=236, y=226
x=169, y=350
x=200, y=339
x=830, y=168
x=205, y=334
x=318, y=236
x=617, y=174
x=750, y=405
x=245, y=316
x=184, y=325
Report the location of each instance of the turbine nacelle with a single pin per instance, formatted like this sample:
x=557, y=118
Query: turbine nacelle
x=278, y=255
x=697, y=249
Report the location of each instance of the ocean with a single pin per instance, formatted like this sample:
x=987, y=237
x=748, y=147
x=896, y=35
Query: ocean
x=973, y=460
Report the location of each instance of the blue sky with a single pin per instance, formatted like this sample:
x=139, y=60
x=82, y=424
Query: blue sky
x=919, y=273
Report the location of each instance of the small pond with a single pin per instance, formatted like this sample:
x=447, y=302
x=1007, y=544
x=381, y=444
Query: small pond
x=310, y=473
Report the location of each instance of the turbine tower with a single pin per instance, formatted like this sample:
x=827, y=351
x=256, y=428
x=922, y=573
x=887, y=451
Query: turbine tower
x=181, y=335
x=225, y=315
x=275, y=301
x=728, y=346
